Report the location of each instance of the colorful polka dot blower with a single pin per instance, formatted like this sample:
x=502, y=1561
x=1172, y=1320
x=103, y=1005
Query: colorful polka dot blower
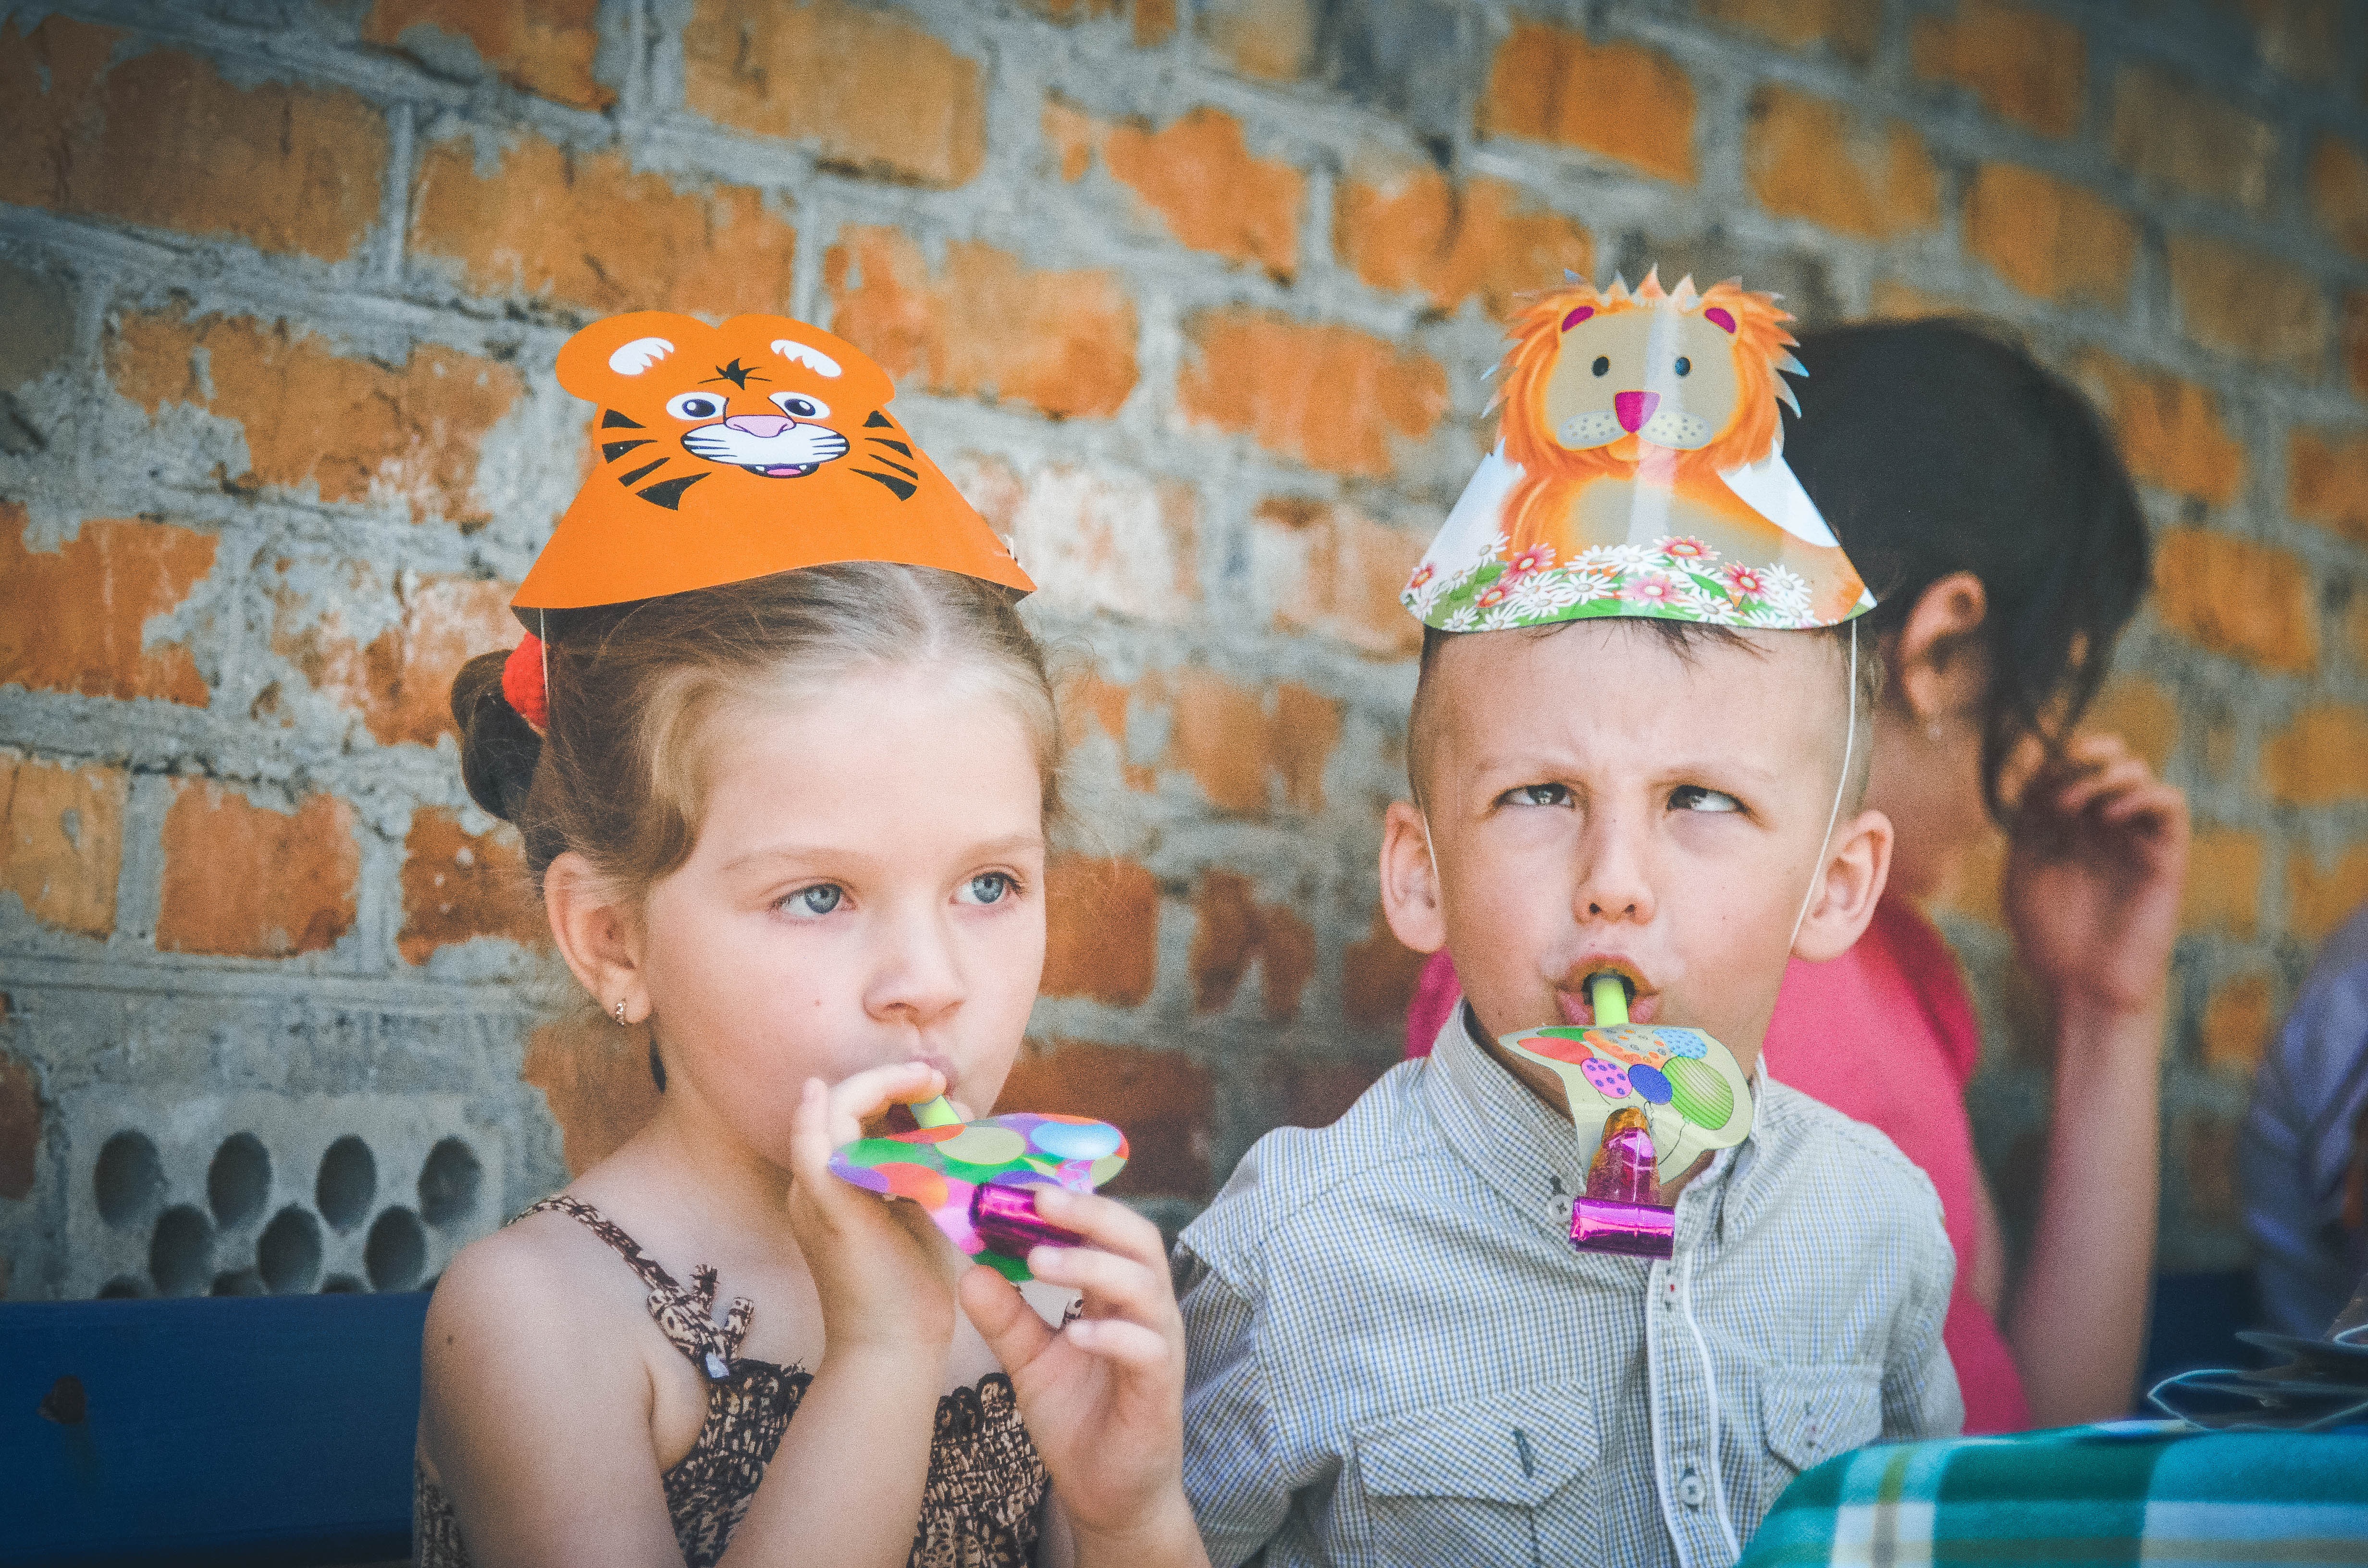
x=1651, y=1100
x=977, y=1178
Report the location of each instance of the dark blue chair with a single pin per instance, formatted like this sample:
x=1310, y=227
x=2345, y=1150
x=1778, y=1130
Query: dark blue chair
x=273, y=1430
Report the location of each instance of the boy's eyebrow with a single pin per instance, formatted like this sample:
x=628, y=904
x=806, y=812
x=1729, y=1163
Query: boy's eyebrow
x=1525, y=762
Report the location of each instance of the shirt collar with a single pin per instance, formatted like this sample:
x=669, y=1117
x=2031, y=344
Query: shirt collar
x=1527, y=1153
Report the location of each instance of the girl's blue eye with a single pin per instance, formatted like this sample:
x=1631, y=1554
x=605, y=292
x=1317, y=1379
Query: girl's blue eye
x=820, y=899
x=990, y=887
x=1694, y=798
x=1540, y=795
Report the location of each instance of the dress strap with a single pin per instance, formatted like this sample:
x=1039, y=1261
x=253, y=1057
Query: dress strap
x=685, y=1317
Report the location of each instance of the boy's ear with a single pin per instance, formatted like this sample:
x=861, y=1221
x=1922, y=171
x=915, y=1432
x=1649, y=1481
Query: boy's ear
x=1848, y=887
x=1410, y=894
x=598, y=935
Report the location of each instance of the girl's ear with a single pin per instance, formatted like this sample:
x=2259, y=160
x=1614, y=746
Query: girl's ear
x=598, y=935
x=1410, y=893
x=1848, y=890
x=1938, y=665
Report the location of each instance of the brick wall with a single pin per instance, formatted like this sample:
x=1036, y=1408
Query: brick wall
x=1193, y=297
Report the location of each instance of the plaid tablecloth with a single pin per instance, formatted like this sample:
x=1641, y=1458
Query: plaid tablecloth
x=2131, y=1492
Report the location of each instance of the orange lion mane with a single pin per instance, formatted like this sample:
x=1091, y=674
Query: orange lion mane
x=1548, y=468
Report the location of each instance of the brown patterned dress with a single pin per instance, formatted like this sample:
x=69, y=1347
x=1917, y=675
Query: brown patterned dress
x=979, y=1509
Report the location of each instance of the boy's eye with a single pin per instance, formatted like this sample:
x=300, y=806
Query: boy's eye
x=989, y=887
x=820, y=899
x=1694, y=798
x=1539, y=795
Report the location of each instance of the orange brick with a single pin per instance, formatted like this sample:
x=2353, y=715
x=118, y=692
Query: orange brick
x=544, y=46
x=401, y=681
x=1805, y=157
x=357, y=429
x=2024, y=66
x=97, y=592
x=2319, y=759
x=984, y=326
x=1549, y=84
x=1232, y=932
x=62, y=836
x=1153, y=20
x=1330, y=570
x=2223, y=883
x=1407, y=228
x=2241, y=300
x=2235, y=597
x=2171, y=430
x=1272, y=40
x=1220, y=735
x=1101, y=930
x=1377, y=978
x=2235, y=1024
x=1074, y=137
x=2338, y=193
x=1851, y=27
x=1306, y=728
x=244, y=880
x=2302, y=37
x=586, y=229
x=872, y=91
x=1163, y=1100
x=1199, y=177
x=1894, y=301
x=1330, y=396
x=20, y=1133
x=1086, y=702
x=2327, y=480
x=2175, y=137
x=2322, y=903
x=2356, y=629
x=2139, y=711
x=457, y=885
x=1093, y=538
x=595, y=1077
x=162, y=139
x=2048, y=238
x=2355, y=341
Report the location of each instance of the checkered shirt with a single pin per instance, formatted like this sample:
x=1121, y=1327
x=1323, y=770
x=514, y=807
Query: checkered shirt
x=1396, y=1356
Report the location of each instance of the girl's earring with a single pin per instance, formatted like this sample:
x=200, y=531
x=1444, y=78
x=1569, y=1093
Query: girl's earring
x=620, y=1014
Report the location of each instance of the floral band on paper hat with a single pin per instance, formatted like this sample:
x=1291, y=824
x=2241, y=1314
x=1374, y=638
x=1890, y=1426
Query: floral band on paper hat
x=1639, y=470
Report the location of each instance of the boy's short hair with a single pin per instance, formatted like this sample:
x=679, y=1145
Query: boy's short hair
x=1683, y=638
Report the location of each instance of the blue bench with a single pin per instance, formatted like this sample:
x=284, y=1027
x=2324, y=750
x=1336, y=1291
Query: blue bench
x=271, y=1430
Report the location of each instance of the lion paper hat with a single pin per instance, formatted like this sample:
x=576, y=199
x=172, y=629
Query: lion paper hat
x=1639, y=470
x=724, y=453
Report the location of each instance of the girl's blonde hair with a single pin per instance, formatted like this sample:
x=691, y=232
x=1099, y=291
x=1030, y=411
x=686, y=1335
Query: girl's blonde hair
x=619, y=775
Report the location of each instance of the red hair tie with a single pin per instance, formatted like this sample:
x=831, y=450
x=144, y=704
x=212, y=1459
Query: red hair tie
x=522, y=683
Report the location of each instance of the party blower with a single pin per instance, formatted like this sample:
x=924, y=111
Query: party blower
x=1651, y=1101
x=977, y=1180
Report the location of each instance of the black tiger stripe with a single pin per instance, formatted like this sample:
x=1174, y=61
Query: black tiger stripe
x=904, y=488
x=612, y=420
x=875, y=420
x=640, y=472
x=616, y=449
x=668, y=493
x=892, y=445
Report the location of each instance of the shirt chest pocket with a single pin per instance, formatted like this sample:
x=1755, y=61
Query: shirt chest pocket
x=1811, y=1414
x=1500, y=1479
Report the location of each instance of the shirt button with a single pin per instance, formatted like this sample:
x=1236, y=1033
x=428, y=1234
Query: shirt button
x=1690, y=1489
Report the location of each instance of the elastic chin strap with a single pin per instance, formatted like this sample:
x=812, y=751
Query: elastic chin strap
x=1841, y=787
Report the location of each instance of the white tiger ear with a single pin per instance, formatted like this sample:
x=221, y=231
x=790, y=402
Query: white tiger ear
x=633, y=357
x=814, y=360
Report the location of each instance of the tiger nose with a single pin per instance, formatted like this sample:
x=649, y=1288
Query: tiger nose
x=1634, y=409
x=764, y=426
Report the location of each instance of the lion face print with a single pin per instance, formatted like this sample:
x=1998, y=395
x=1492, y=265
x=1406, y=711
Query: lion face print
x=1664, y=375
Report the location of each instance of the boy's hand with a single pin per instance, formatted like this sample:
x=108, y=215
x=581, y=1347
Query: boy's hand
x=878, y=1264
x=1103, y=1397
x=2094, y=876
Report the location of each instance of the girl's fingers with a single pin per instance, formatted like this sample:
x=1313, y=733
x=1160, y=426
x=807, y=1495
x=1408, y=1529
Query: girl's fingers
x=1115, y=1339
x=1106, y=1223
x=1003, y=1318
x=1114, y=1286
x=858, y=1098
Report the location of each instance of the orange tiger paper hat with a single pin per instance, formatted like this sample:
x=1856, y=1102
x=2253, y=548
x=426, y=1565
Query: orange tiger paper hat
x=732, y=452
x=1639, y=470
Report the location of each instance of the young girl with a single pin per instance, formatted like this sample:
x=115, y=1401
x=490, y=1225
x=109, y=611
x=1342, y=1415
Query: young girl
x=791, y=816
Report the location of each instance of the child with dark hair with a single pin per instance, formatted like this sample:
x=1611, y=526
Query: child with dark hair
x=783, y=756
x=1982, y=498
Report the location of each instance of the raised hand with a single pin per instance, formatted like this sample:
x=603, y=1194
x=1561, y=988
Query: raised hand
x=1103, y=1395
x=881, y=1268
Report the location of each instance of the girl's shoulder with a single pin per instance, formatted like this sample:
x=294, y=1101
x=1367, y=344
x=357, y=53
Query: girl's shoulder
x=546, y=1277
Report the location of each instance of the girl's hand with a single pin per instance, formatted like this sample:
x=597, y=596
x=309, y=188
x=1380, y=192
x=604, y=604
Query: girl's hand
x=878, y=1264
x=1104, y=1396
x=2094, y=875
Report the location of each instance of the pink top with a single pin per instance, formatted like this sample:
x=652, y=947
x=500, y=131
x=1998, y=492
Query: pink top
x=1898, y=1001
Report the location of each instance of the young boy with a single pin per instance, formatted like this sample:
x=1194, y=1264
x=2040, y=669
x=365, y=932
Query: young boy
x=1629, y=760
